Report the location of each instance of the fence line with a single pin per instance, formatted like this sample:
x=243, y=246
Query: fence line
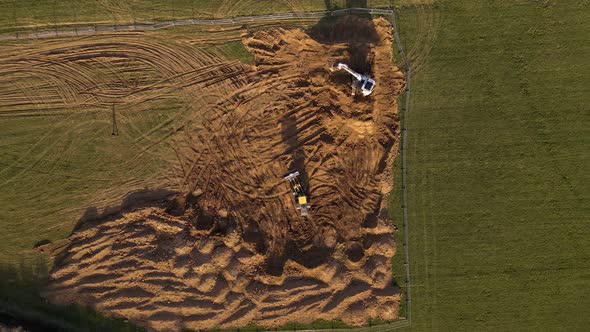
x=94, y=29
x=91, y=29
x=404, y=137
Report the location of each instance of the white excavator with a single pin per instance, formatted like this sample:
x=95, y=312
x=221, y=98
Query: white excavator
x=362, y=83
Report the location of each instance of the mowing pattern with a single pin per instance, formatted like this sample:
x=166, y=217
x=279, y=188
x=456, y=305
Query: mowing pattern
x=426, y=22
x=140, y=87
x=230, y=248
x=102, y=71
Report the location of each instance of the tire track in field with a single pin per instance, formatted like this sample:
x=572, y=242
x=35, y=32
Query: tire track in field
x=230, y=247
x=427, y=26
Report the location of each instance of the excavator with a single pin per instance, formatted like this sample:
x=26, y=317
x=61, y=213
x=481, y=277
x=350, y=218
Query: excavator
x=301, y=198
x=360, y=82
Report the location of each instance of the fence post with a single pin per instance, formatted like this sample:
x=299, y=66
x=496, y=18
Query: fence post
x=404, y=139
x=173, y=14
x=14, y=16
x=193, y=9
x=76, y=19
x=54, y=19
x=95, y=20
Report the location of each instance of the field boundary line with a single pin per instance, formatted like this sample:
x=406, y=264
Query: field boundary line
x=92, y=29
x=404, y=139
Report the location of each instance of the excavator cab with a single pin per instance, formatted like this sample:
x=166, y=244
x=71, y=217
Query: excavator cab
x=301, y=198
x=368, y=86
x=365, y=85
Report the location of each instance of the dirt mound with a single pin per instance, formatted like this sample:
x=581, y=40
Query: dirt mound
x=162, y=271
x=231, y=249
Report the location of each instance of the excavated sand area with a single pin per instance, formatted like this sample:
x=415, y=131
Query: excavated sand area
x=230, y=248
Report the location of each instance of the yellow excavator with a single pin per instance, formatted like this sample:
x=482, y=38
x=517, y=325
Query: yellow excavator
x=301, y=198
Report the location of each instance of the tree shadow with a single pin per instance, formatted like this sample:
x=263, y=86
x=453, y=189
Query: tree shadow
x=21, y=285
x=290, y=135
x=22, y=306
x=357, y=32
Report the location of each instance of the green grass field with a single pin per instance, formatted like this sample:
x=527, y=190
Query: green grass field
x=498, y=159
x=54, y=167
x=46, y=14
x=498, y=164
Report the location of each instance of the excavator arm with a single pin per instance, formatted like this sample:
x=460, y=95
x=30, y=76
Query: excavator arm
x=342, y=66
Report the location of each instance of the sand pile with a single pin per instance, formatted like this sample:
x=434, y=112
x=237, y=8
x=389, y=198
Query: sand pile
x=230, y=248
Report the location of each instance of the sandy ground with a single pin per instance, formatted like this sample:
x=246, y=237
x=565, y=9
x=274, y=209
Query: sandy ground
x=230, y=248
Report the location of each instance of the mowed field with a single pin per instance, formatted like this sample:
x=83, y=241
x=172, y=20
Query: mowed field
x=60, y=161
x=62, y=157
x=91, y=123
x=79, y=118
x=498, y=164
x=32, y=14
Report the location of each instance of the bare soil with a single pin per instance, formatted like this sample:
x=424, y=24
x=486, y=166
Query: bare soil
x=230, y=248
